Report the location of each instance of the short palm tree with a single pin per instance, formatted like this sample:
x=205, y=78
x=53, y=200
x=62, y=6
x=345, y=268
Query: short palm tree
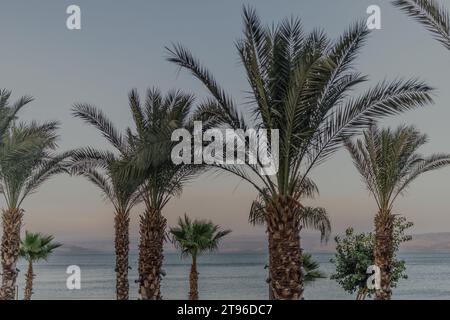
x=194, y=238
x=27, y=160
x=300, y=85
x=151, y=163
x=388, y=162
x=429, y=13
x=35, y=247
x=103, y=170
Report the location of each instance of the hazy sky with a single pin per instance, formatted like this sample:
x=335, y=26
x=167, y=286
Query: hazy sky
x=121, y=46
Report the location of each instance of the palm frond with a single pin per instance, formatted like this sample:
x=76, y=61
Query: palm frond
x=103, y=183
x=432, y=15
x=184, y=59
x=382, y=101
x=26, y=159
x=45, y=170
x=36, y=246
x=88, y=157
x=193, y=237
x=8, y=113
x=420, y=166
x=316, y=219
x=98, y=119
x=388, y=161
x=311, y=269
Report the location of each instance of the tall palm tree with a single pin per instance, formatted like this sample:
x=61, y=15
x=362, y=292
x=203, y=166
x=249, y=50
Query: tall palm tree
x=194, y=238
x=35, y=247
x=8, y=114
x=155, y=120
x=300, y=85
x=27, y=160
x=102, y=168
x=388, y=162
x=429, y=13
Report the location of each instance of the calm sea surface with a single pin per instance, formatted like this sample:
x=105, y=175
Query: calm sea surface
x=223, y=276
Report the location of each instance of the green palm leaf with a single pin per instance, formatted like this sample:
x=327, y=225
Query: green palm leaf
x=388, y=161
x=429, y=13
x=36, y=246
x=194, y=237
x=301, y=85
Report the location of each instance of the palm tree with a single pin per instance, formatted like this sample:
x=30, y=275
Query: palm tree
x=8, y=114
x=388, y=162
x=429, y=13
x=103, y=170
x=27, y=160
x=300, y=85
x=35, y=247
x=150, y=162
x=194, y=238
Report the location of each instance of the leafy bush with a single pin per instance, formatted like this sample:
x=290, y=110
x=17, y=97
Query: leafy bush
x=354, y=254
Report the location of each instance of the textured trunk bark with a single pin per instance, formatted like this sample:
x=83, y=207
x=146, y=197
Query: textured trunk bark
x=152, y=235
x=361, y=294
x=285, y=252
x=29, y=282
x=122, y=243
x=12, y=221
x=383, y=251
x=193, y=281
x=269, y=280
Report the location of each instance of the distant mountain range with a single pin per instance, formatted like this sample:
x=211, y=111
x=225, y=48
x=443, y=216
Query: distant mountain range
x=311, y=242
x=257, y=243
x=419, y=242
x=429, y=242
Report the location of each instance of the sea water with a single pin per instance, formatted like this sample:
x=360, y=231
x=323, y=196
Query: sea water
x=222, y=276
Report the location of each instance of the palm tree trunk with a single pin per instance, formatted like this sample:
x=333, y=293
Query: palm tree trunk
x=122, y=242
x=12, y=221
x=269, y=280
x=383, y=251
x=362, y=293
x=270, y=290
x=284, y=251
x=29, y=282
x=152, y=235
x=193, y=280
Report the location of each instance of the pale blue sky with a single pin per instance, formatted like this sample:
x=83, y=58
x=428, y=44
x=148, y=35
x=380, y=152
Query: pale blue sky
x=121, y=46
